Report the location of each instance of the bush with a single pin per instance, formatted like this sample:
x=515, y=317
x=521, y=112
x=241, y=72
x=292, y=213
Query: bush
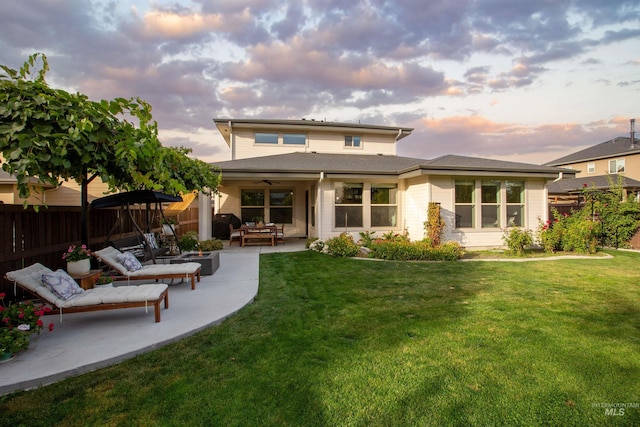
x=317, y=245
x=366, y=237
x=189, y=241
x=343, y=246
x=549, y=237
x=210, y=245
x=517, y=240
x=415, y=251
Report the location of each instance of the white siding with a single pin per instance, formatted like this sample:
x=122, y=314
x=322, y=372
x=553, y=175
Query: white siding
x=416, y=199
x=244, y=146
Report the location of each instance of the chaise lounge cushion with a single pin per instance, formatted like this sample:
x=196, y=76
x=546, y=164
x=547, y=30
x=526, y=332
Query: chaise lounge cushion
x=61, y=284
x=109, y=256
x=31, y=279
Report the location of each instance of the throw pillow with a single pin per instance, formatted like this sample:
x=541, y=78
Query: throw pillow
x=130, y=262
x=151, y=238
x=61, y=284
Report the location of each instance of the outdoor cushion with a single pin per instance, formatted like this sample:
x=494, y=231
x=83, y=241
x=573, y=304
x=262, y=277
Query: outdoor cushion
x=129, y=260
x=103, y=298
x=151, y=238
x=187, y=270
x=61, y=284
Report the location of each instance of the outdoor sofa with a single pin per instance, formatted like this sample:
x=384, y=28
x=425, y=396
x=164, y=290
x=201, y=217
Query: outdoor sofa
x=112, y=257
x=80, y=300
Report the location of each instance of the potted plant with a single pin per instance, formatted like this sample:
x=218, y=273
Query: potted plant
x=18, y=321
x=105, y=281
x=78, y=259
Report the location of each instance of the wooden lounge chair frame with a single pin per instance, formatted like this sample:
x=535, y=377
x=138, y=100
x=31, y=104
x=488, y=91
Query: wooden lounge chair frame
x=42, y=292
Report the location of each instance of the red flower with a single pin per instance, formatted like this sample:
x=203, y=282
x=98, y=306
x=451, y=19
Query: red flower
x=21, y=316
x=39, y=323
x=2, y=295
x=584, y=185
x=50, y=327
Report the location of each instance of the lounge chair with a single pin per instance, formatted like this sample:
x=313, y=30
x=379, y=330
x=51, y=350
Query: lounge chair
x=186, y=271
x=104, y=298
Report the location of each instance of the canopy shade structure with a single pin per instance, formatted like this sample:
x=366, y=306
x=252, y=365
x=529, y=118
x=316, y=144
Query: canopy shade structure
x=133, y=197
x=176, y=208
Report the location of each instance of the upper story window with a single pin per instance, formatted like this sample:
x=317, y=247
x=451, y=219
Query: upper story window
x=294, y=139
x=276, y=138
x=352, y=141
x=616, y=166
x=591, y=167
x=266, y=138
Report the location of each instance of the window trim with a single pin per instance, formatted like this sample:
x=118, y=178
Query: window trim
x=349, y=142
x=502, y=205
x=617, y=163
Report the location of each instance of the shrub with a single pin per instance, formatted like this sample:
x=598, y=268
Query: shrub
x=310, y=241
x=434, y=225
x=342, y=246
x=210, y=245
x=366, y=237
x=549, y=236
x=517, y=240
x=396, y=237
x=316, y=244
x=189, y=241
x=415, y=251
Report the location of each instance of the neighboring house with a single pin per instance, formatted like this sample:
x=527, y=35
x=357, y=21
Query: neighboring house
x=596, y=166
x=320, y=179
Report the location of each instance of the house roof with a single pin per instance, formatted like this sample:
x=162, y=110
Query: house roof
x=366, y=164
x=225, y=126
x=615, y=147
x=7, y=178
x=575, y=185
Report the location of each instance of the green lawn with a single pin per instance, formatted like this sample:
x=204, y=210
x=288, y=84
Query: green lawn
x=355, y=342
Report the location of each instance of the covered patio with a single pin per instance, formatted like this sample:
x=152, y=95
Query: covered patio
x=85, y=342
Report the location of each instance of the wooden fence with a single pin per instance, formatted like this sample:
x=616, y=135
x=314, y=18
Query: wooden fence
x=27, y=237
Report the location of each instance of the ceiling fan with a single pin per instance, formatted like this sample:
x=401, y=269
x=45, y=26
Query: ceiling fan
x=267, y=181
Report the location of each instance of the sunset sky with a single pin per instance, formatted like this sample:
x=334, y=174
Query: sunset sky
x=526, y=81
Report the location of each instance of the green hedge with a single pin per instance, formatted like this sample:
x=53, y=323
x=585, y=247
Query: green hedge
x=415, y=251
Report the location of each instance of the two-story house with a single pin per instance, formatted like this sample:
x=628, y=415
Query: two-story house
x=597, y=166
x=323, y=178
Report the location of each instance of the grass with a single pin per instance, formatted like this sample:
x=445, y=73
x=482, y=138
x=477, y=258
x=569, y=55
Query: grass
x=353, y=342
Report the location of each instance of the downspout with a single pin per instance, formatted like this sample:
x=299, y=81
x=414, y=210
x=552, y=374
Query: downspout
x=318, y=213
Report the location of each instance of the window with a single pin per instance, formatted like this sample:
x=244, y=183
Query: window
x=292, y=139
x=591, y=167
x=384, y=205
x=616, y=166
x=348, y=204
x=490, y=193
x=281, y=206
x=515, y=203
x=352, y=141
x=501, y=204
x=465, y=200
x=252, y=202
x=266, y=138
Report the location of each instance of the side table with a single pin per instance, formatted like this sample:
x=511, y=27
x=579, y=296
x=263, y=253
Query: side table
x=87, y=280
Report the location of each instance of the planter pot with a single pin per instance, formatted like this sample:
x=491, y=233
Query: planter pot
x=6, y=357
x=79, y=267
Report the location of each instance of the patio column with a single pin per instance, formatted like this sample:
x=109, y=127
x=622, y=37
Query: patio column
x=204, y=217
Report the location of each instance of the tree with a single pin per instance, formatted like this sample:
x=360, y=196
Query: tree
x=53, y=136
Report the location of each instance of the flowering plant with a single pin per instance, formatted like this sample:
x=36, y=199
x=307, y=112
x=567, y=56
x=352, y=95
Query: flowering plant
x=17, y=323
x=76, y=253
x=104, y=280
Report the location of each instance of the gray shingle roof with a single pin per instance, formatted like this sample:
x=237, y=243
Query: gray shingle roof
x=372, y=164
x=573, y=185
x=613, y=148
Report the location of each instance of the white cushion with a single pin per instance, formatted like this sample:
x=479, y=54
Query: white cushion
x=151, y=238
x=116, y=295
x=61, y=284
x=129, y=260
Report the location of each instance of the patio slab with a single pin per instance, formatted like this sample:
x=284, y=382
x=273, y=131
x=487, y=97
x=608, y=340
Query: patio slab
x=84, y=342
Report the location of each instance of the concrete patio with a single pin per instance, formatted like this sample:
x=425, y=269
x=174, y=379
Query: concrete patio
x=85, y=342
